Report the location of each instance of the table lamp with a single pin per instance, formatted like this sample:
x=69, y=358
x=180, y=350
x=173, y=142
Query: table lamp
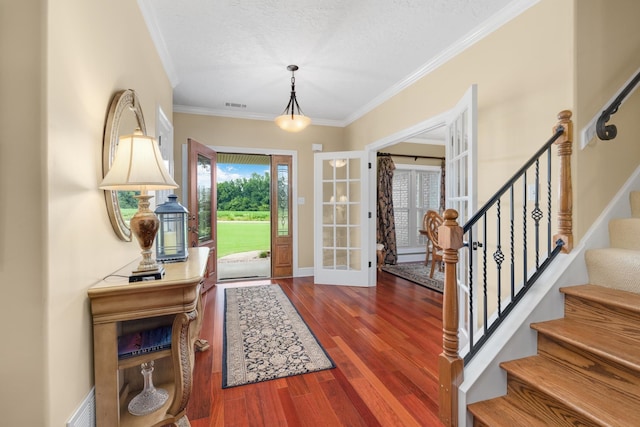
x=138, y=166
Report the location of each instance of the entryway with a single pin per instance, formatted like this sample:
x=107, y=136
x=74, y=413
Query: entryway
x=245, y=219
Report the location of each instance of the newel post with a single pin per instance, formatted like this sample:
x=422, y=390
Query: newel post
x=450, y=364
x=565, y=194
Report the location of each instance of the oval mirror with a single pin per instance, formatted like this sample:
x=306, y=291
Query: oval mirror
x=125, y=115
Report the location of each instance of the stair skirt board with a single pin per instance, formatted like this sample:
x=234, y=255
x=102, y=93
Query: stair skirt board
x=515, y=338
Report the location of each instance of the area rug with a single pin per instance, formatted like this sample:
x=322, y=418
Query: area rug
x=265, y=338
x=418, y=273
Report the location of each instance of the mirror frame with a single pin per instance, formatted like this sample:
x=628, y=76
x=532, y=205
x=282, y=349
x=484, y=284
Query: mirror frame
x=122, y=101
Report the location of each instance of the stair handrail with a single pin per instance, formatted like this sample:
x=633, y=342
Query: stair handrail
x=451, y=238
x=607, y=132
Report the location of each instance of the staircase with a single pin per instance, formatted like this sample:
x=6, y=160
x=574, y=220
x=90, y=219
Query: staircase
x=587, y=370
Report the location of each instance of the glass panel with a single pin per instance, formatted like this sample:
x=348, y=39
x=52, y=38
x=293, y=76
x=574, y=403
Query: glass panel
x=327, y=192
x=327, y=258
x=341, y=192
x=327, y=214
x=341, y=237
x=354, y=259
x=354, y=191
x=327, y=169
x=341, y=214
x=341, y=168
x=203, y=183
x=354, y=168
x=283, y=200
x=341, y=259
x=327, y=237
x=354, y=214
x=354, y=237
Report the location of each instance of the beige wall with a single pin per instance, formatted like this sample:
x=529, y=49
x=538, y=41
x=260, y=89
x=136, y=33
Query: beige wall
x=65, y=61
x=608, y=53
x=524, y=77
x=264, y=135
x=23, y=352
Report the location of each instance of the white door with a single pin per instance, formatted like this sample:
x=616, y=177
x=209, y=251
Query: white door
x=341, y=255
x=461, y=189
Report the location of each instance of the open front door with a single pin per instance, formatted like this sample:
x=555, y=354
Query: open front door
x=202, y=204
x=281, y=218
x=340, y=219
x=461, y=188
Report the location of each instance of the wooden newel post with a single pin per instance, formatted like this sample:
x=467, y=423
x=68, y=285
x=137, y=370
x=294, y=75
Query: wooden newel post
x=565, y=193
x=449, y=363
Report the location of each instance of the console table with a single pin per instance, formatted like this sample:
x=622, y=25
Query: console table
x=119, y=307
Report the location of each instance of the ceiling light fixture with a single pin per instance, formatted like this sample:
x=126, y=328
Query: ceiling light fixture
x=292, y=119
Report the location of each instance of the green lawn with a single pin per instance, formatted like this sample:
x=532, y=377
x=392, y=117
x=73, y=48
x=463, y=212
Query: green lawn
x=240, y=236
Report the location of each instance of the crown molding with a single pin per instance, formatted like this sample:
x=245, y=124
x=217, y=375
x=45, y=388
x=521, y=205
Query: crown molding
x=505, y=15
x=161, y=47
x=246, y=116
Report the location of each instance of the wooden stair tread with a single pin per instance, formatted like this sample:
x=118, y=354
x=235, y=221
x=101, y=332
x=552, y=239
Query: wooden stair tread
x=501, y=411
x=604, y=343
x=593, y=399
x=614, y=298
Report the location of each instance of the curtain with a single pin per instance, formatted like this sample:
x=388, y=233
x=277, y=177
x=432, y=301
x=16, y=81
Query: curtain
x=386, y=228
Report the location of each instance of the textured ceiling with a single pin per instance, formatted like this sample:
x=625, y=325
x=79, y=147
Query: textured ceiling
x=352, y=54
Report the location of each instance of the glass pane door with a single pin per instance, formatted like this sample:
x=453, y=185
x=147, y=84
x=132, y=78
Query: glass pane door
x=340, y=220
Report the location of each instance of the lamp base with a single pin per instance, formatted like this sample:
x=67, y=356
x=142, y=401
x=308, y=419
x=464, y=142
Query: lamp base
x=141, y=276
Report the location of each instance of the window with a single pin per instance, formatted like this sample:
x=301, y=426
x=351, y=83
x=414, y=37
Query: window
x=416, y=189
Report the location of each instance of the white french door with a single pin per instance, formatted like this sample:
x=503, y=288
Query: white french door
x=341, y=255
x=461, y=187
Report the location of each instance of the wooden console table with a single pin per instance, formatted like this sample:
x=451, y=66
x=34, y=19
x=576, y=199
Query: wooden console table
x=120, y=307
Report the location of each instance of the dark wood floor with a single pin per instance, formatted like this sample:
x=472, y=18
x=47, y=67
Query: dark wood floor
x=384, y=340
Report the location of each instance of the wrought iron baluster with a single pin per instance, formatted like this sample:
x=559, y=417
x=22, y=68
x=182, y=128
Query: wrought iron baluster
x=537, y=214
x=498, y=257
x=484, y=270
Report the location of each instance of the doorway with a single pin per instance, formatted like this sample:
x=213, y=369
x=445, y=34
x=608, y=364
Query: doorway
x=272, y=213
x=244, y=216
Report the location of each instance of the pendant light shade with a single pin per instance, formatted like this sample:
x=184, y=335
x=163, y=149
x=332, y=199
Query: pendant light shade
x=292, y=118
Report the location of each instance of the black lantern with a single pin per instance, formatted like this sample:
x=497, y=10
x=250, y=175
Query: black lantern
x=171, y=244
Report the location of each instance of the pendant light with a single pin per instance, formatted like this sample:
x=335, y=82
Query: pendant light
x=292, y=119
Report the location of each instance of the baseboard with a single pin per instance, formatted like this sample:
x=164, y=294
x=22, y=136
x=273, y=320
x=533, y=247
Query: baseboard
x=85, y=415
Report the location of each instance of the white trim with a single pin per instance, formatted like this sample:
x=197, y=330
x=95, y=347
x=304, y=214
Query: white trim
x=588, y=132
x=161, y=47
x=509, y=12
x=266, y=152
x=85, y=414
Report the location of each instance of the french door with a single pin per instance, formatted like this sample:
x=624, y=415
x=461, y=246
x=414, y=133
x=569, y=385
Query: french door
x=340, y=219
x=461, y=188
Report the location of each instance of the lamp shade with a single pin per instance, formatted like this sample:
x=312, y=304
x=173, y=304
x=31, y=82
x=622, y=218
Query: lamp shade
x=138, y=165
x=292, y=123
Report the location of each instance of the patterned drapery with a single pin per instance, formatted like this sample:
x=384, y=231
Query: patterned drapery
x=386, y=229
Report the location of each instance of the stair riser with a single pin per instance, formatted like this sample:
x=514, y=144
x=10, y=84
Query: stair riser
x=543, y=406
x=597, y=313
x=605, y=370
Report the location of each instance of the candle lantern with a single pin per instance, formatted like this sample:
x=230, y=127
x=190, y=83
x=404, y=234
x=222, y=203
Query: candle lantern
x=171, y=245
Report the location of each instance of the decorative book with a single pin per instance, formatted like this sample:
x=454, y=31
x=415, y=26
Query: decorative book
x=137, y=343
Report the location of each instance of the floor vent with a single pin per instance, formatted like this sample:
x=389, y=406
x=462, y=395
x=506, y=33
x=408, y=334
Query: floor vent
x=85, y=415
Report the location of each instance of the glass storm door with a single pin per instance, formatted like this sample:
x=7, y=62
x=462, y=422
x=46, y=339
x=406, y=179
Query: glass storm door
x=461, y=186
x=340, y=219
x=202, y=204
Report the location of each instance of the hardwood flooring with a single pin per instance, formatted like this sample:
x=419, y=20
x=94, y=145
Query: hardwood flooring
x=384, y=340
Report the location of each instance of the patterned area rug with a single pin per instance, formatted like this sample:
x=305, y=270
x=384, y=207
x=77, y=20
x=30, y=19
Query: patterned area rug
x=417, y=272
x=265, y=338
